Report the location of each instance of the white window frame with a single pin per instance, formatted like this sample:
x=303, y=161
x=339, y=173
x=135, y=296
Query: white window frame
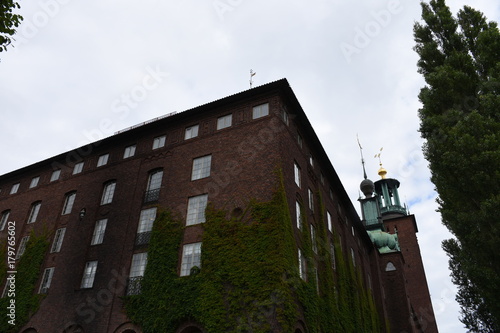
x=34, y=181
x=108, y=192
x=329, y=221
x=302, y=266
x=298, y=214
x=69, y=200
x=103, y=160
x=201, y=167
x=260, y=111
x=58, y=240
x=35, y=209
x=146, y=220
x=129, y=151
x=191, y=257
x=196, y=209
x=353, y=257
x=48, y=273
x=154, y=180
x=89, y=274
x=14, y=188
x=191, y=132
x=138, y=265
x=311, y=199
x=313, y=239
x=159, y=142
x=55, y=175
x=225, y=121
x=99, y=230
x=4, y=219
x=297, y=175
x=22, y=246
x=78, y=168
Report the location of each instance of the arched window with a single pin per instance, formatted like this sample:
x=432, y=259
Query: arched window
x=390, y=267
x=154, y=184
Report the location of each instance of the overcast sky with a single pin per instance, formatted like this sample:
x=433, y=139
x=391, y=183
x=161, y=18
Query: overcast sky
x=81, y=70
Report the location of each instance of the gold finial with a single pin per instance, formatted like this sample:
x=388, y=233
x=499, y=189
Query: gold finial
x=381, y=172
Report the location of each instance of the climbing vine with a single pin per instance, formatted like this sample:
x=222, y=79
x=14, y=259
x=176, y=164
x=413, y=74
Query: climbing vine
x=28, y=270
x=249, y=278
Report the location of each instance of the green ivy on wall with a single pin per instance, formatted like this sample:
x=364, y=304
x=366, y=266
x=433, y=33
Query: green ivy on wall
x=28, y=270
x=249, y=280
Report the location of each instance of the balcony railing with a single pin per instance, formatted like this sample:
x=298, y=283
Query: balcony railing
x=152, y=195
x=134, y=285
x=142, y=238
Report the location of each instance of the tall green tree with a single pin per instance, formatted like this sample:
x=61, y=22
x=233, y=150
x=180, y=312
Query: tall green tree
x=459, y=119
x=8, y=22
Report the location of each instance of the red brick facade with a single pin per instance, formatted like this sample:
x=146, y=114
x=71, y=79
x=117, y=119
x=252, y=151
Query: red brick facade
x=244, y=158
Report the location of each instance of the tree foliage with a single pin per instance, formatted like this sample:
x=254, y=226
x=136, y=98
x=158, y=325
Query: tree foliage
x=8, y=22
x=459, y=119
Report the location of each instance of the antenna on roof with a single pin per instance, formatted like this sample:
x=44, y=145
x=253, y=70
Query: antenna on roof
x=362, y=159
x=252, y=73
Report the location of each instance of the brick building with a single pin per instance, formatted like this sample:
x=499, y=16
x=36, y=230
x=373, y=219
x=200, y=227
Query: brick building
x=98, y=204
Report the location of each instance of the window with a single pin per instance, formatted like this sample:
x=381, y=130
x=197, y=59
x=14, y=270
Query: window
x=284, y=116
x=298, y=214
x=329, y=220
x=46, y=279
x=55, y=175
x=322, y=178
x=159, y=142
x=89, y=274
x=196, y=209
x=154, y=185
x=201, y=167
x=103, y=160
x=22, y=246
x=14, y=188
x=260, y=111
x=146, y=220
x=311, y=161
x=129, y=151
x=191, y=257
x=390, y=267
x=302, y=265
x=225, y=121
x=58, y=239
x=296, y=170
x=191, y=132
x=4, y=219
x=313, y=239
x=311, y=199
x=353, y=257
x=299, y=140
x=68, y=203
x=78, y=168
x=332, y=253
x=34, y=181
x=35, y=208
x=99, y=229
x=138, y=266
x=107, y=194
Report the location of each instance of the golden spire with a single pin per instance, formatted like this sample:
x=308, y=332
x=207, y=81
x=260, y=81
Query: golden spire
x=381, y=172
